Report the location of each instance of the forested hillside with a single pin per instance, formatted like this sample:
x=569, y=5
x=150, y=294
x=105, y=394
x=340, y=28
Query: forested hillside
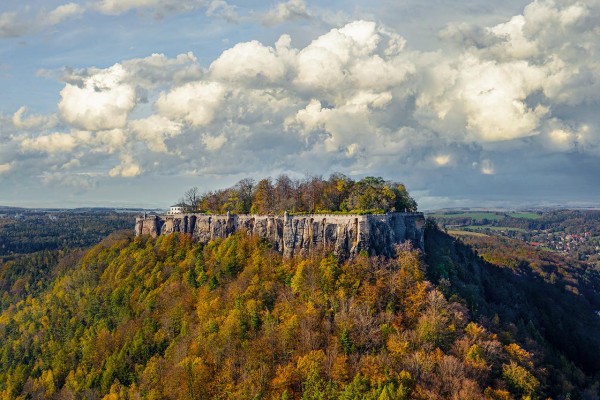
x=37, y=245
x=170, y=318
x=27, y=231
x=528, y=294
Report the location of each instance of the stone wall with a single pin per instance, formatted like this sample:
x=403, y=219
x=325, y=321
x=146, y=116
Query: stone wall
x=345, y=235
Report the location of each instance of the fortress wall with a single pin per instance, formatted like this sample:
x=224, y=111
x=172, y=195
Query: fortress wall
x=345, y=235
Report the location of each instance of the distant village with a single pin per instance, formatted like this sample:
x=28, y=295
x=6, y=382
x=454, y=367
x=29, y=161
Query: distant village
x=583, y=246
x=563, y=242
x=573, y=233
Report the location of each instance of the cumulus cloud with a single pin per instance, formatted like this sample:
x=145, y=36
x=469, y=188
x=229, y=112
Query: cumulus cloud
x=195, y=102
x=323, y=64
x=347, y=126
x=356, y=98
x=249, y=61
x=52, y=143
x=103, y=100
x=154, y=130
x=107, y=141
x=33, y=121
x=489, y=99
x=158, y=69
x=127, y=169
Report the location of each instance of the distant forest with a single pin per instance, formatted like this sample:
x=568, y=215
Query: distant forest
x=66, y=229
x=339, y=193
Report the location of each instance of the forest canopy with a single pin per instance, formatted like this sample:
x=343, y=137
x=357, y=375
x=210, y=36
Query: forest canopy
x=313, y=194
x=170, y=318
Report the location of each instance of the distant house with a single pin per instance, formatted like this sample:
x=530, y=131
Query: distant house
x=178, y=209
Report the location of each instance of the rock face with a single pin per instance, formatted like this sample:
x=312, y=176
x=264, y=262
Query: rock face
x=345, y=235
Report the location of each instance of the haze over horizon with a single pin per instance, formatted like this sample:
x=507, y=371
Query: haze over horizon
x=131, y=102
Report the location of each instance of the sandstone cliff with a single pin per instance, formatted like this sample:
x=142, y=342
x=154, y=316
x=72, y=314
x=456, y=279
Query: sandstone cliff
x=345, y=235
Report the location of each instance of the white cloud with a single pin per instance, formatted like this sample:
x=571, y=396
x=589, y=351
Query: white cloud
x=33, y=121
x=162, y=8
x=52, y=143
x=323, y=63
x=108, y=141
x=77, y=181
x=61, y=13
x=158, y=69
x=195, y=102
x=250, y=61
x=442, y=159
x=347, y=126
x=116, y=7
x=220, y=8
x=494, y=98
x=214, y=143
x=356, y=98
x=154, y=130
x=290, y=10
x=483, y=98
x=103, y=100
x=13, y=24
x=127, y=169
x=557, y=38
x=10, y=25
x=487, y=167
x=4, y=168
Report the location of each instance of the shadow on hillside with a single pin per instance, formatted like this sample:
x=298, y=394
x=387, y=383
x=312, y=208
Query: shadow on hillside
x=528, y=308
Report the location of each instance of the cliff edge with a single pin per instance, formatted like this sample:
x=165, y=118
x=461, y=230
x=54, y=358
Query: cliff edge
x=345, y=235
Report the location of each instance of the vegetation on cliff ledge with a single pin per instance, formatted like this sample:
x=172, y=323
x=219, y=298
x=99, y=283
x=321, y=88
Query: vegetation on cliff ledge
x=314, y=194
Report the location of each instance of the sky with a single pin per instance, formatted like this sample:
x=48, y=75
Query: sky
x=128, y=103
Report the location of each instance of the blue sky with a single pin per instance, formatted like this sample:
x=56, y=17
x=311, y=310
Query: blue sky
x=131, y=102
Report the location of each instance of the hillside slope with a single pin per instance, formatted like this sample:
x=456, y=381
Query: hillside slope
x=528, y=294
x=170, y=318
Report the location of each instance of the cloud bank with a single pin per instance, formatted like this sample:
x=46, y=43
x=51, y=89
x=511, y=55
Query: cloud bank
x=354, y=99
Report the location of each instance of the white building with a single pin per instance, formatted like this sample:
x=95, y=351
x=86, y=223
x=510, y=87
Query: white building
x=177, y=209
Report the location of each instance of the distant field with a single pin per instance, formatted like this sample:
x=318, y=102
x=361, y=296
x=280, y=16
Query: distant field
x=498, y=228
x=478, y=216
x=525, y=215
x=491, y=216
x=466, y=233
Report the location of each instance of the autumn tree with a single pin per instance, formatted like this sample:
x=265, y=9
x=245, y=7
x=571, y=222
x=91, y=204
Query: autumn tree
x=192, y=198
x=312, y=194
x=264, y=197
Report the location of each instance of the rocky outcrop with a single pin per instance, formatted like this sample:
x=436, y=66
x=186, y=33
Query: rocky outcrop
x=344, y=235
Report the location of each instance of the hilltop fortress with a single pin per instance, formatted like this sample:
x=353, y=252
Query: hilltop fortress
x=345, y=235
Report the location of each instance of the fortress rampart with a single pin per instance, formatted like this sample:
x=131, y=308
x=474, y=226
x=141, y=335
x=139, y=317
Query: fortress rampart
x=345, y=235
